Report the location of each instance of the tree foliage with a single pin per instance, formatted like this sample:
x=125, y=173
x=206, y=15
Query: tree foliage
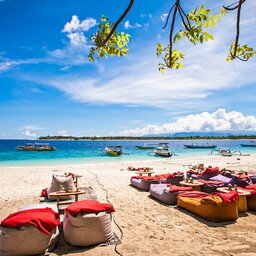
x=193, y=26
x=115, y=46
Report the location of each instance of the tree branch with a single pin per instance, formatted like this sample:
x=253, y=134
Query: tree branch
x=242, y=59
x=167, y=19
x=237, y=28
x=116, y=24
x=183, y=21
x=171, y=31
x=229, y=8
x=180, y=9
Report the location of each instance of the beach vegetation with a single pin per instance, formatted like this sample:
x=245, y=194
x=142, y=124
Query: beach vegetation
x=195, y=26
x=230, y=137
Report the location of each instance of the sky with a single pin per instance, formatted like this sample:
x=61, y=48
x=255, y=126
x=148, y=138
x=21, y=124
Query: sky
x=48, y=86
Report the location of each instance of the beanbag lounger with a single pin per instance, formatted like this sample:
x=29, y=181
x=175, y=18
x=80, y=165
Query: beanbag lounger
x=29, y=232
x=67, y=182
x=88, y=222
x=241, y=180
x=214, y=207
x=167, y=193
x=174, y=178
x=210, y=186
x=144, y=182
x=220, y=178
x=208, y=173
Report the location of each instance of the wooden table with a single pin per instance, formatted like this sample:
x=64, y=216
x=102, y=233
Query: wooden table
x=140, y=173
x=242, y=203
x=196, y=185
x=60, y=194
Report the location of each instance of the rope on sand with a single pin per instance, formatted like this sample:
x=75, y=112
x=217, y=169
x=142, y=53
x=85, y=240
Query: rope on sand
x=107, y=199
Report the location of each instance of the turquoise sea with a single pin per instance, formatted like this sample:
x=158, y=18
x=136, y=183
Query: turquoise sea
x=72, y=152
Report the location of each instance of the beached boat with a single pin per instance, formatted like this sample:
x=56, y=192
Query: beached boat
x=146, y=146
x=163, y=150
x=225, y=152
x=200, y=146
x=114, y=150
x=228, y=152
x=252, y=143
x=36, y=147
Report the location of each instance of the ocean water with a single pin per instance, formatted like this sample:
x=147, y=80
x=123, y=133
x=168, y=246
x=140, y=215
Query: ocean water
x=72, y=152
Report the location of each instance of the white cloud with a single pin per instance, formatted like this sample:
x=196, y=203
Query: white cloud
x=32, y=127
x=75, y=30
x=63, y=133
x=77, y=38
x=28, y=133
x=127, y=25
x=144, y=15
x=221, y=120
x=6, y=64
x=163, y=17
x=75, y=25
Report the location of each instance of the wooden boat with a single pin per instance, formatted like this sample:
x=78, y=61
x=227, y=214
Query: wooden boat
x=36, y=147
x=228, y=152
x=225, y=152
x=146, y=146
x=251, y=144
x=114, y=150
x=200, y=146
x=163, y=150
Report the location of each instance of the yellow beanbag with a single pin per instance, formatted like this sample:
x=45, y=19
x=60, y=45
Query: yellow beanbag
x=210, y=208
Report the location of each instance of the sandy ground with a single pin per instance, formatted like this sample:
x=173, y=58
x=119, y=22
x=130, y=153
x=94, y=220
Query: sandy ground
x=149, y=228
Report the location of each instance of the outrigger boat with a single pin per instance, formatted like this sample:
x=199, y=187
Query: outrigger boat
x=163, y=150
x=114, y=150
x=200, y=146
x=36, y=147
x=146, y=146
x=228, y=152
x=251, y=144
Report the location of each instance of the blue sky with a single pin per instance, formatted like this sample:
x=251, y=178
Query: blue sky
x=48, y=87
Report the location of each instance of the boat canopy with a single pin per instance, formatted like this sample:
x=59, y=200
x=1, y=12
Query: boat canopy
x=38, y=144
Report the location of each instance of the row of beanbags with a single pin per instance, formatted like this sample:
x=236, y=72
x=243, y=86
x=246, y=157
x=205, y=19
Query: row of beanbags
x=144, y=182
x=35, y=231
x=214, y=207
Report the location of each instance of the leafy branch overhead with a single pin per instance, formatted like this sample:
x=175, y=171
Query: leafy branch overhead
x=194, y=26
x=115, y=46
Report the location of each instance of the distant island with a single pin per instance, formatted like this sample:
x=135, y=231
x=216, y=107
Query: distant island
x=230, y=137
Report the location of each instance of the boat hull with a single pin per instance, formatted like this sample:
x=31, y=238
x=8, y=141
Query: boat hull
x=112, y=152
x=200, y=147
x=35, y=149
x=144, y=147
x=164, y=154
x=248, y=145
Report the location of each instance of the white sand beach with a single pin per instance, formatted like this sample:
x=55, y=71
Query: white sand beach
x=149, y=228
